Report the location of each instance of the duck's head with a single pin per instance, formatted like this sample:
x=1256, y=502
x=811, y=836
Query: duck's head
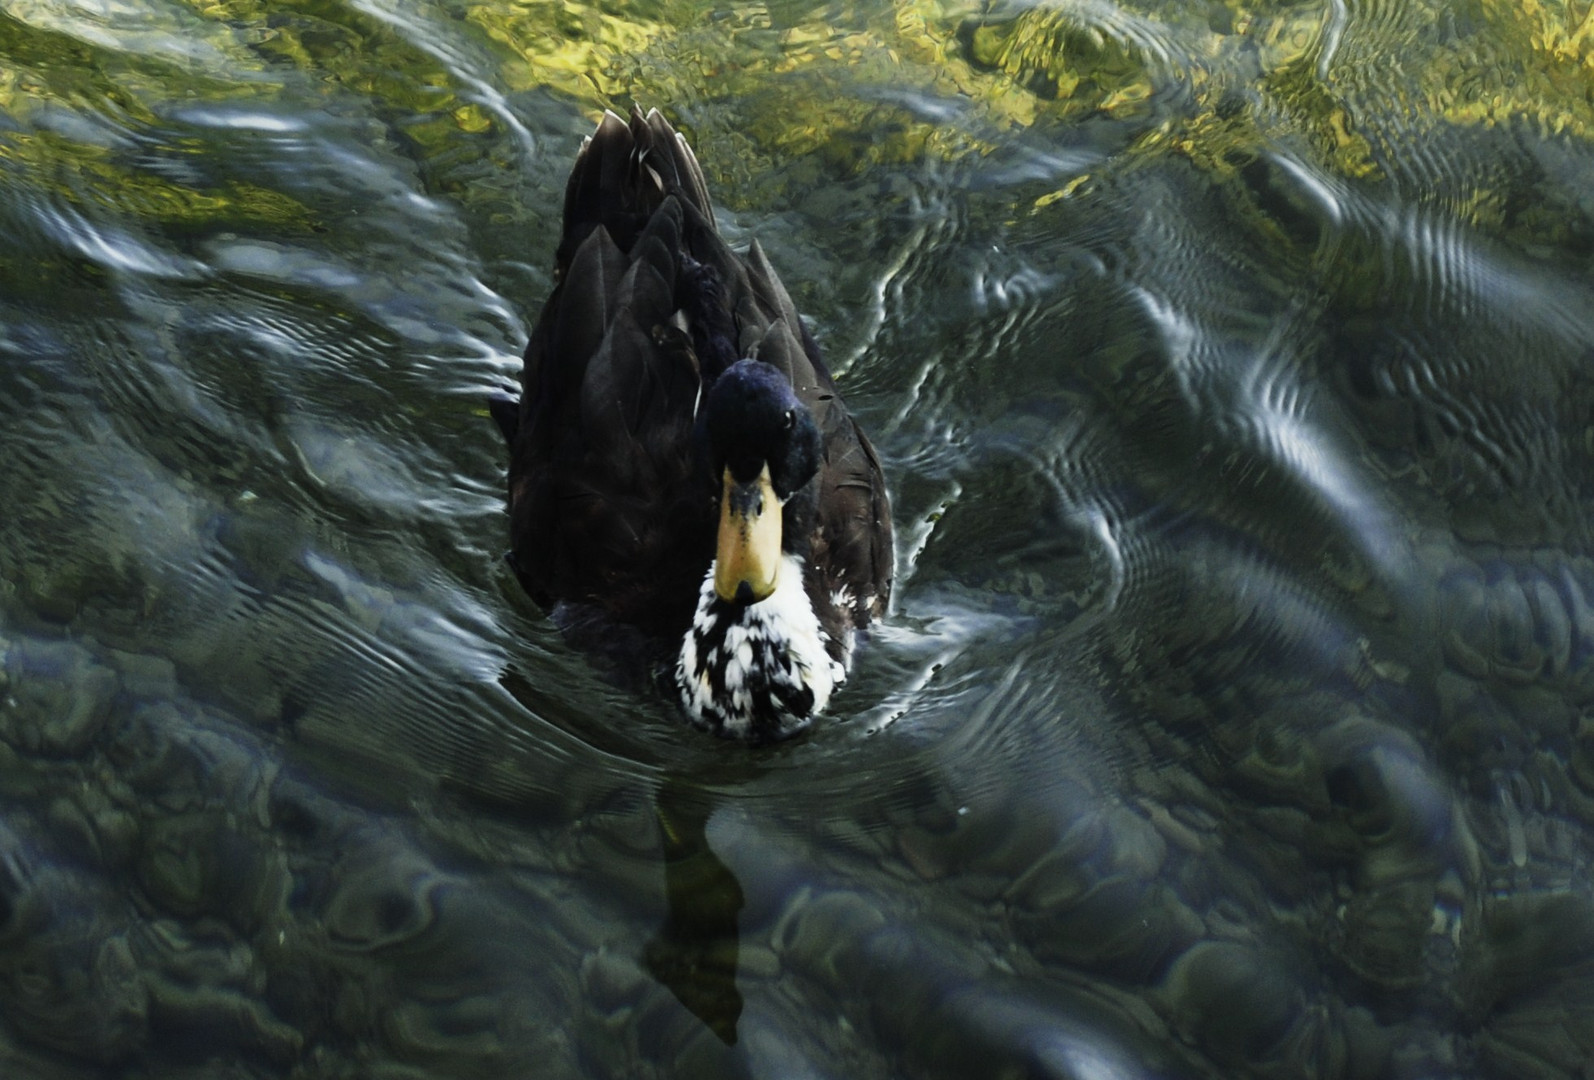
x=755, y=663
x=763, y=448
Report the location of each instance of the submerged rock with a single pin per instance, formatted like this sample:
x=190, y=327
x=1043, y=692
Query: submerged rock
x=58, y=698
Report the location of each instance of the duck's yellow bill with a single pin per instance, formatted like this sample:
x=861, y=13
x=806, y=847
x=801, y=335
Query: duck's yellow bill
x=748, y=556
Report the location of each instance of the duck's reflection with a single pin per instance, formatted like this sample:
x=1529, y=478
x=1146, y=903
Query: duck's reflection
x=694, y=954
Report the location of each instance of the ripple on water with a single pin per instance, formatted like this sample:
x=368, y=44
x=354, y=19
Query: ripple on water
x=165, y=32
x=1487, y=421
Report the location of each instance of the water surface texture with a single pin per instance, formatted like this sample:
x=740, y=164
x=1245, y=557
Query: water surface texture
x=1230, y=365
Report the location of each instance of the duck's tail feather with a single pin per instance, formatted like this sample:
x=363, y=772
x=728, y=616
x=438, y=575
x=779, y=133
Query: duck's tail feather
x=622, y=174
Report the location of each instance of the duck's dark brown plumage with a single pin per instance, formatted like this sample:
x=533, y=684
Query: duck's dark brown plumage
x=612, y=506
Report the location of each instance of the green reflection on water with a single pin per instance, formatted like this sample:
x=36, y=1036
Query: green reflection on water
x=838, y=87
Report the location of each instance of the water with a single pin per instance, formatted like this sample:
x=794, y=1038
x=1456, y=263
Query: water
x=1229, y=368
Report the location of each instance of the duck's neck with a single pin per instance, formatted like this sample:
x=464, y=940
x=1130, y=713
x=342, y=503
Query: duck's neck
x=757, y=671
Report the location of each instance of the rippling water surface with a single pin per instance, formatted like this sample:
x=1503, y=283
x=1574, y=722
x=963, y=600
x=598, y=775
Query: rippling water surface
x=1230, y=364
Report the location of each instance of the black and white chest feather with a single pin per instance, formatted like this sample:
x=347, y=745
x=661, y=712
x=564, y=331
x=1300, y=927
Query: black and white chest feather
x=758, y=671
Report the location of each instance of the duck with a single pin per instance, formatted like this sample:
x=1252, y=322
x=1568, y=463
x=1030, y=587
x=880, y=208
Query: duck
x=686, y=488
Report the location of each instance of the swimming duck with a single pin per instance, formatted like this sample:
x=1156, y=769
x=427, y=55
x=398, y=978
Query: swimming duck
x=684, y=480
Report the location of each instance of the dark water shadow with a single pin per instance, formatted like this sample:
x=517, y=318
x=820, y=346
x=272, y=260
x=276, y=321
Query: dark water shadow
x=694, y=955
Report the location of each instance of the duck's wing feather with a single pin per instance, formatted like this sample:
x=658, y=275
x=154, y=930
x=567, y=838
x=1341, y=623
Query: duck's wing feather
x=851, y=547
x=604, y=502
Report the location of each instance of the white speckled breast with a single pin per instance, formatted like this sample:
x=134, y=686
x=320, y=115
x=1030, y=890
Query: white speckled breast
x=758, y=672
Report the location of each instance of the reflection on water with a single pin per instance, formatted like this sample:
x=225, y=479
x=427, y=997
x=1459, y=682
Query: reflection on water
x=1228, y=364
x=695, y=953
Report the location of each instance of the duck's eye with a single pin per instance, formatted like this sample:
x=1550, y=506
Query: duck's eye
x=791, y=419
